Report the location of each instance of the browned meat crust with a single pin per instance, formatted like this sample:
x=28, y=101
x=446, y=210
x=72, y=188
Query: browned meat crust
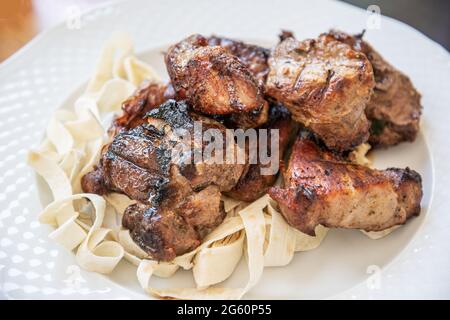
x=94, y=182
x=394, y=109
x=252, y=119
x=178, y=223
x=137, y=161
x=253, y=184
x=173, y=196
x=211, y=79
x=201, y=174
x=252, y=56
x=255, y=59
x=146, y=98
x=322, y=188
x=326, y=85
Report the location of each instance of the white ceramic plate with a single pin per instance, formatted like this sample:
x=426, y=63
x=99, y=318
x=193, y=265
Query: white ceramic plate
x=413, y=262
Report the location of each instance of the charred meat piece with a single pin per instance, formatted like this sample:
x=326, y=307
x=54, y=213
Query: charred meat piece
x=146, y=98
x=252, y=56
x=178, y=222
x=246, y=120
x=394, y=109
x=255, y=59
x=174, y=117
x=322, y=188
x=212, y=80
x=326, y=85
x=254, y=183
x=179, y=199
x=137, y=161
x=94, y=181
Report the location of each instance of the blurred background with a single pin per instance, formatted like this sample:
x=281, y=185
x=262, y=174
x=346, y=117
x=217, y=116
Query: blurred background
x=21, y=20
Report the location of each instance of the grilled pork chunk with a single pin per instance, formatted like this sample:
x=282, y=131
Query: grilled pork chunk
x=255, y=59
x=175, y=196
x=178, y=222
x=326, y=85
x=146, y=98
x=252, y=185
x=214, y=81
x=252, y=56
x=322, y=188
x=394, y=109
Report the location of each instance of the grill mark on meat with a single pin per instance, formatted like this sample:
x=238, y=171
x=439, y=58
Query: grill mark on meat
x=394, y=109
x=326, y=86
x=152, y=228
x=136, y=182
x=174, y=113
x=322, y=188
x=252, y=56
x=213, y=80
x=174, y=211
x=145, y=147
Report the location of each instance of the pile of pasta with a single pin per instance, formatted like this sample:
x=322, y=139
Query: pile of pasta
x=90, y=224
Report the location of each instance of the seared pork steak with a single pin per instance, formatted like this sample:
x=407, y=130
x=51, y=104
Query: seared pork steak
x=252, y=56
x=322, y=188
x=326, y=86
x=215, y=81
x=174, y=197
x=394, y=109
